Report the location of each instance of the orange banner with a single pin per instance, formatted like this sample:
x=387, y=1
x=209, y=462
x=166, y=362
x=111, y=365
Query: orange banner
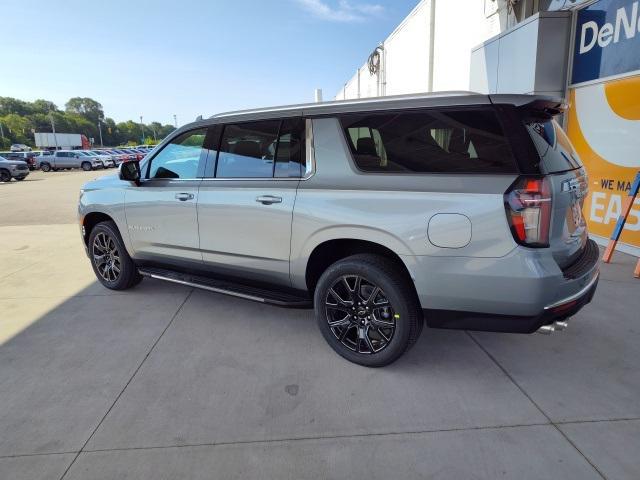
x=604, y=127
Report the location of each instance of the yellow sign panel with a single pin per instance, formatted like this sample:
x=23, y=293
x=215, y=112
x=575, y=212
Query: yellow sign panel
x=604, y=127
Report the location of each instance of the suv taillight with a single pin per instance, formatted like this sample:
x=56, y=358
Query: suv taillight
x=528, y=206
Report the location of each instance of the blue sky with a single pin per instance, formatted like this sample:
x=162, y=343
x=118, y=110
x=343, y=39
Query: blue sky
x=159, y=58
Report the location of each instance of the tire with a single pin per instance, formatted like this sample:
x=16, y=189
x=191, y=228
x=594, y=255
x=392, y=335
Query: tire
x=380, y=335
x=86, y=166
x=19, y=179
x=117, y=272
x=5, y=176
x=45, y=167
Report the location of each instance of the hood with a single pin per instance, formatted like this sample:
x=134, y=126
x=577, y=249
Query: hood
x=103, y=182
x=3, y=161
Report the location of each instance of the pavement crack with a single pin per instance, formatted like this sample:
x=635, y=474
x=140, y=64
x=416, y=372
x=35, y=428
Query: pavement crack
x=127, y=384
x=533, y=402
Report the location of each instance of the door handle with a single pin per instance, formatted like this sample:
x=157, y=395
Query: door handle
x=183, y=197
x=268, y=199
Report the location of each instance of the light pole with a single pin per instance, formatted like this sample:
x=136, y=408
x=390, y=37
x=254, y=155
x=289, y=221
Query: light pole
x=53, y=128
x=1, y=133
x=142, y=127
x=175, y=120
x=100, y=131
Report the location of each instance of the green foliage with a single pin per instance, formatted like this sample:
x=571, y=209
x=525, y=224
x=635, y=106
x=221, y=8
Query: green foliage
x=19, y=119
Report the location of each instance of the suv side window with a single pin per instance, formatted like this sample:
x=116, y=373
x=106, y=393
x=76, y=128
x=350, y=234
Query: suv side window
x=247, y=150
x=261, y=149
x=180, y=158
x=429, y=141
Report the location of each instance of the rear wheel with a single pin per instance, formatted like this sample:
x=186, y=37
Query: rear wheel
x=367, y=310
x=110, y=261
x=5, y=176
x=86, y=166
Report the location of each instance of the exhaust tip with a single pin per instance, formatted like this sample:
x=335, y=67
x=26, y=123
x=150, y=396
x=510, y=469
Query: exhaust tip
x=547, y=329
x=560, y=325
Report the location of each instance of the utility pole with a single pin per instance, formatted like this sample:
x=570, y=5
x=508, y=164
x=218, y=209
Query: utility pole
x=53, y=128
x=100, y=130
x=142, y=127
x=1, y=132
x=175, y=120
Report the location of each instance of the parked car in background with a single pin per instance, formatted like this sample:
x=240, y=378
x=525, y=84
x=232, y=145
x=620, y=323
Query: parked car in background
x=118, y=157
x=106, y=159
x=28, y=157
x=70, y=159
x=12, y=169
x=138, y=155
x=19, y=147
x=462, y=210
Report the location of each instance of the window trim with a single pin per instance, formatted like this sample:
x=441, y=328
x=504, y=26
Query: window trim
x=456, y=108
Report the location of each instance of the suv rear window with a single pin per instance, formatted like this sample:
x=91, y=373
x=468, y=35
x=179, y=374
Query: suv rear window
x=553, y=146
x=429, y=141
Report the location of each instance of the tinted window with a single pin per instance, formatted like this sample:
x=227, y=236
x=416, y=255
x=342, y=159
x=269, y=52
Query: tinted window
x=553, y=146
x=290, y=153
x=429, y=141
x=247, y=150
x=180, y=158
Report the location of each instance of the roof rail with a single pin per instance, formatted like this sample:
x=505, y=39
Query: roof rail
x=372, y=100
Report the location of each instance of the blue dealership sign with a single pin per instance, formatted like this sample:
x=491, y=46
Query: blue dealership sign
x=607, y=40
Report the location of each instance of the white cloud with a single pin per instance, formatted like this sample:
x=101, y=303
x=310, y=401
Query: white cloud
x=344, y=11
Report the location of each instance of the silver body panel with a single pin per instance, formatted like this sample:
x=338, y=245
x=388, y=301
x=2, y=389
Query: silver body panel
x=469, y=261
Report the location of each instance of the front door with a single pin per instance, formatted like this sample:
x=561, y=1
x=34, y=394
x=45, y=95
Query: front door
x=161, y=213
x=246, y=202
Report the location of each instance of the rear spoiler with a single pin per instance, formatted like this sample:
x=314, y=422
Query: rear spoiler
x=532, y=107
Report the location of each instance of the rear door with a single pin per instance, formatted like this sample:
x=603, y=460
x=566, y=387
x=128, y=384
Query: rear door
x=245, y=204
x=569, y=185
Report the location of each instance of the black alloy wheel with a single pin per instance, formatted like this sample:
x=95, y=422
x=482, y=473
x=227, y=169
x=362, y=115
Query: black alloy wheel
x=367, y=309
x=106, y=257
x=359, y=314
x=110, y=260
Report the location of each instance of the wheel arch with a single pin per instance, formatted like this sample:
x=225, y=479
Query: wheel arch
x=90, y=220
x=330, y=251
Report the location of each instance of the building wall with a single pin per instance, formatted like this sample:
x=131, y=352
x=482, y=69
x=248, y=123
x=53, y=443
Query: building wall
x=459, y=26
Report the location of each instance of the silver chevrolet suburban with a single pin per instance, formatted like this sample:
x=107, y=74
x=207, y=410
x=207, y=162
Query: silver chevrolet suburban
x=458, y=209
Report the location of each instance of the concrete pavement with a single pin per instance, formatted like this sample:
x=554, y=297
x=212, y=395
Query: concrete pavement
x=163, y=382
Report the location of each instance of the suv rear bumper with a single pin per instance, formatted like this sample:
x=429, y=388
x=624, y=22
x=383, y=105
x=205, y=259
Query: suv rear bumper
x=516, y=293
x=489, y=322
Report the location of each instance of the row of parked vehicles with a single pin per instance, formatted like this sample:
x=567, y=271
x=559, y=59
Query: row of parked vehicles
x=66, y=159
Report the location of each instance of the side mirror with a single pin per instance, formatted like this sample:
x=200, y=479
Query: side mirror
x=130, y=171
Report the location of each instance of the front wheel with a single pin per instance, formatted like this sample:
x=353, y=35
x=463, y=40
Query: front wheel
x=45, y=167
x=110, y=260
x=86, y=166
x=367, y=310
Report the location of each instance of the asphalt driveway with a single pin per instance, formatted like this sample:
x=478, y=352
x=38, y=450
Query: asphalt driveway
x=165, y=382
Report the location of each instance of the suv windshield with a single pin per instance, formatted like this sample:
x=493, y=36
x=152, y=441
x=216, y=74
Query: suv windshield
x=554, y=147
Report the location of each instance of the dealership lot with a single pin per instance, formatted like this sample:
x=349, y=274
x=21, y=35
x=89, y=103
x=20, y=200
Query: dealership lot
x=168, y=382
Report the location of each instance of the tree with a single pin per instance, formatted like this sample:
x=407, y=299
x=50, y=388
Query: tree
x=87, y=107
x=13, y=105
x=43, y=106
